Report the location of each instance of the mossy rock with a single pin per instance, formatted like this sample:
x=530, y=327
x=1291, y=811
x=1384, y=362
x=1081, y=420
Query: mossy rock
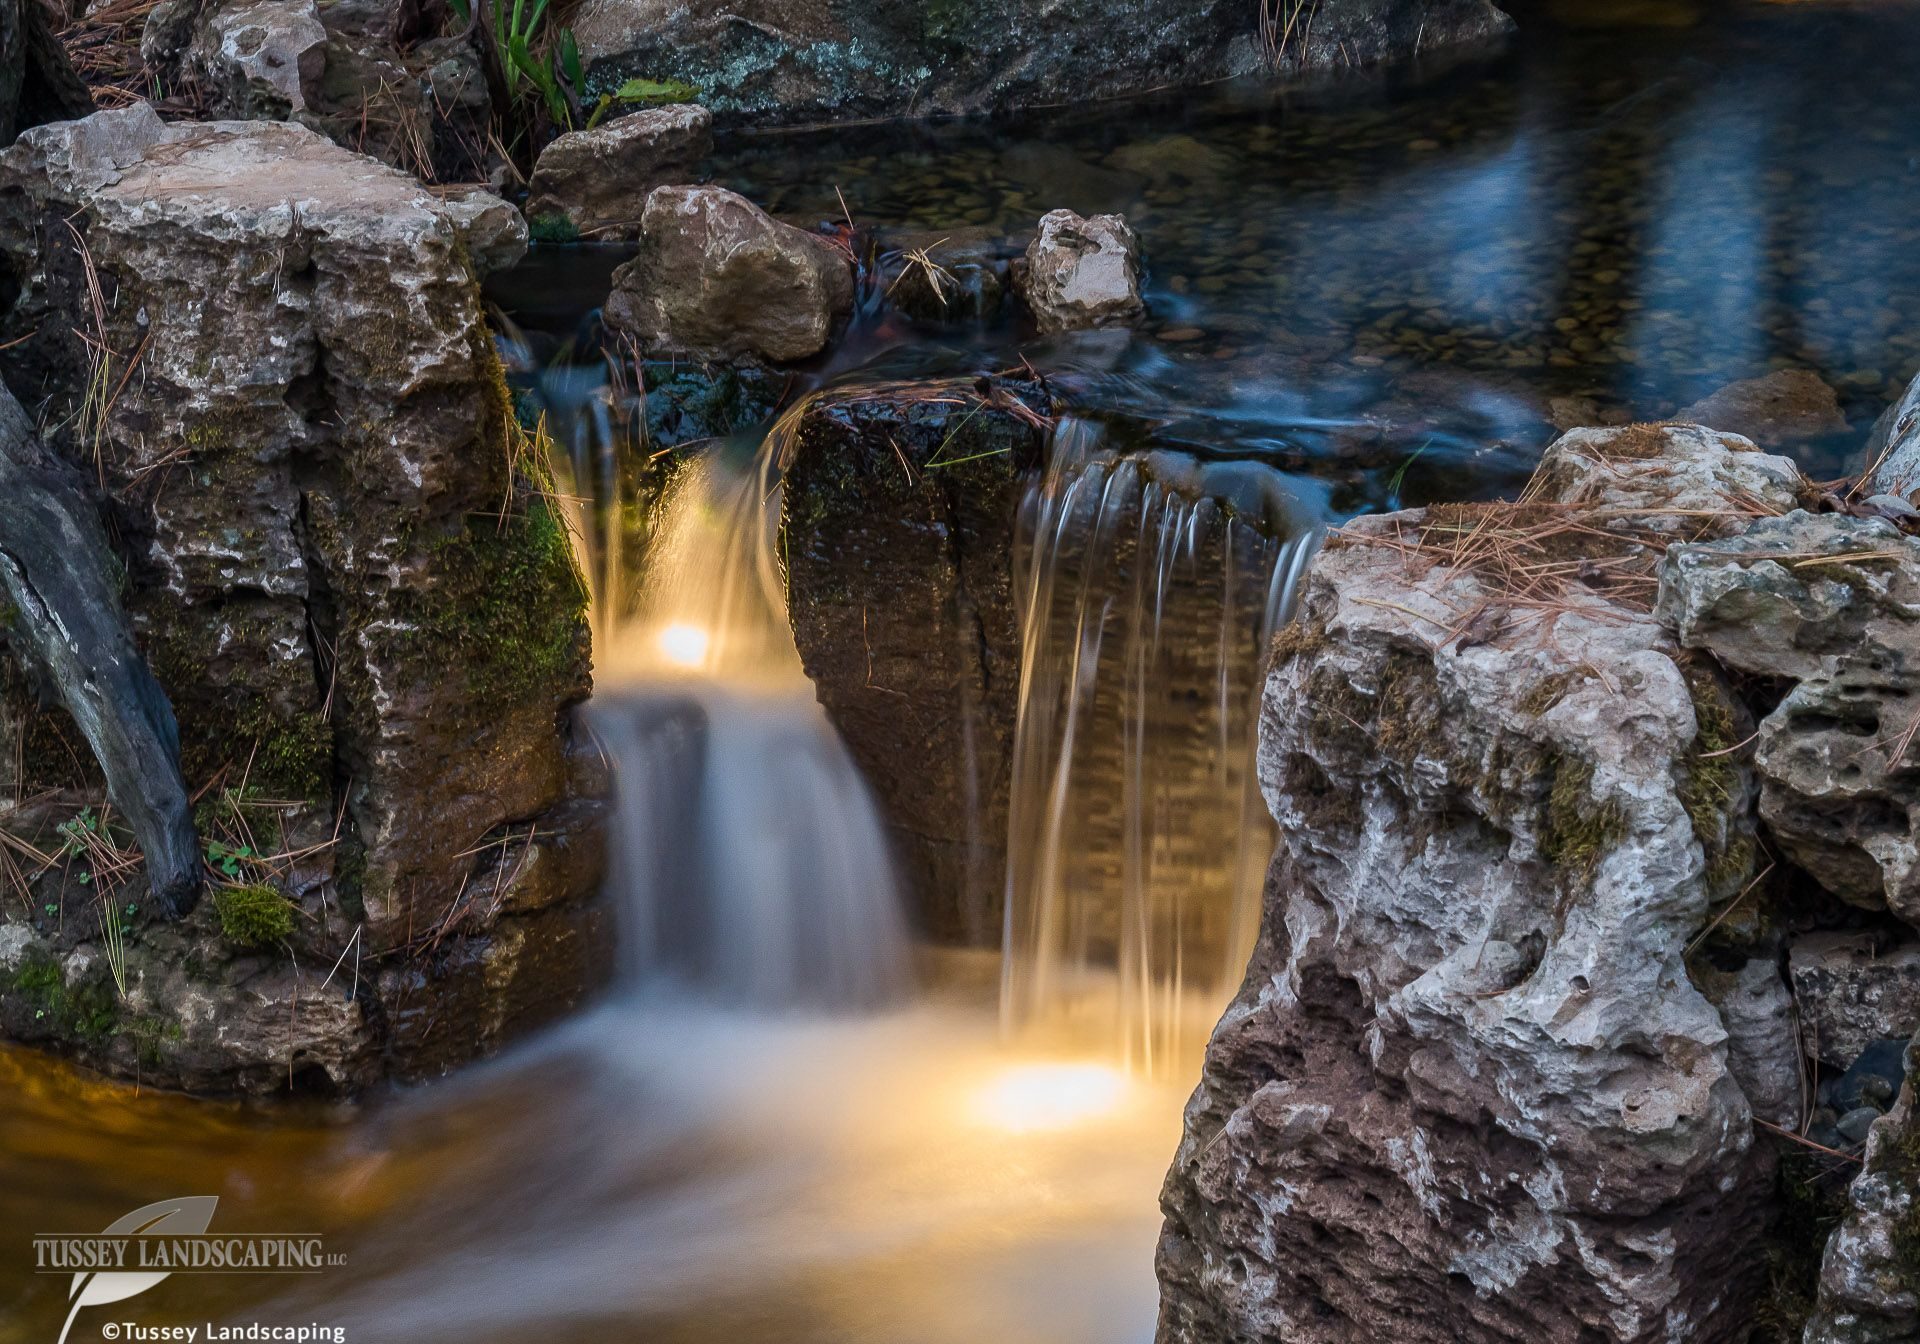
x=253, y=915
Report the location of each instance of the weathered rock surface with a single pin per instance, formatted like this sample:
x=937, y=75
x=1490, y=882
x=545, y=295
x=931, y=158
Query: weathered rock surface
x=1082, y=273
x=1893, y=449
x=598, y=180
x=1469, y=1090
x=1671, y=479
x=1779, y=408
x=1851, y=993
x=1870, y=1277
x=827, y=59
x=355, y=605
x=37, y=82
x=495, y=234
x=899, y=518
x=354, y=70
x=1832, y=604
x=718, y=276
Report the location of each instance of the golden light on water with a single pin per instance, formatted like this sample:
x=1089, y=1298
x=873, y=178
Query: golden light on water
x=683, y=645
x=1050, y=1096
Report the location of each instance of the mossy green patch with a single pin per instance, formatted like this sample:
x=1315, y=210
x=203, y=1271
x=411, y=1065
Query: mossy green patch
x=508, y=605
x=88, y=1010
x=254, y=914
x=552, y=227
x=1579, y=827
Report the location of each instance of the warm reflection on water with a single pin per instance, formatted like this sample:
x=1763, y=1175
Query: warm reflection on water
x=651, y=1172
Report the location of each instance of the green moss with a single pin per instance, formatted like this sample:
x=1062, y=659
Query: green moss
x=87, y=1011
x=509, y=606
x=1579, y=828
x=552, y=228
x=151, y=1036
x=254, y=915
x=1710, y=782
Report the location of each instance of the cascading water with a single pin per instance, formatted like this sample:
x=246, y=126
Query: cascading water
x=1150, y=584
x=748, y=862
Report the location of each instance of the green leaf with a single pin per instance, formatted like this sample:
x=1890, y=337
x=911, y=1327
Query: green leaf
x=570, y=61
x=656, y=91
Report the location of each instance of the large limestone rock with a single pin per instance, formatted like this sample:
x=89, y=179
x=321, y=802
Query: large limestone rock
x=1469, y=1090
x=1830, y=604
x=1870, y=1276
x=718, y=276
x=598, y=180
x=1082, y=273
x=764, y=60
x=356, y=605
x=1779, y=408
x=899, y=518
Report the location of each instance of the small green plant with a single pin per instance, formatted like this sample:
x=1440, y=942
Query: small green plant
x=552, y=227
x=253, y=914
x=229, y=860
x=637, y=92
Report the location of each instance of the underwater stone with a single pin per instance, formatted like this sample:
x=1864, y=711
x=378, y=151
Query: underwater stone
x=717, y=275
x=1082, y=273
x=599, y=179
x=1785, y=405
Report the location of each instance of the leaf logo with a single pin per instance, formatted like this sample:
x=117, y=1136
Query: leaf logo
x=190, y=1216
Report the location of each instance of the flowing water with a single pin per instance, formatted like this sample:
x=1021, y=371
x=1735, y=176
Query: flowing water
x=786, y=1122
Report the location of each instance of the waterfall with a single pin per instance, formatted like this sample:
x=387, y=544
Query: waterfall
x=748, y=861
x=1150, y=586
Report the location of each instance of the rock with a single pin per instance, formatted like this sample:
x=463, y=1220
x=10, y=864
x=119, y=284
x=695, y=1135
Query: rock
x=716, y=275
x=1082, y=273
x=1763, y=1050
x=1680, y=475
x=1850, y=994
x=494, y=232
x=949, y=278
x=1893, y=449
x=352, y=600
x=37, y=82
x=259, y=58
x=1855, y=1124
x=1831, y=603
x=855, y=58
x=1779, y=408
x=1468, y=1091
x=900, y=595
x=1869, y=1291
x=599, y=180
x=1873, y=1077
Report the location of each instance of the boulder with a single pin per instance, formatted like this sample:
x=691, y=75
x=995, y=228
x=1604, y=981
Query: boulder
x=1830, y=604
x=898, y=531
x=1469, y=1090
x=361, y=611
x=259, y=59
x=1893, y=449
x=762, y=62
x=1673, y=480
x=495, y=234
x=718, y=276
x=1850, y=993
x=1781, y=407
x=1869, y=1285
x=598, y=180
x=1082, y=273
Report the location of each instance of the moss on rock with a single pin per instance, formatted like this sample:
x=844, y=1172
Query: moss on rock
x=254, y=914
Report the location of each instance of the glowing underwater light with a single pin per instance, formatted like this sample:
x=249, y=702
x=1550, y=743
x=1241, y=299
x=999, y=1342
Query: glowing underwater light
x=683, y=645
x=1049, y=1096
